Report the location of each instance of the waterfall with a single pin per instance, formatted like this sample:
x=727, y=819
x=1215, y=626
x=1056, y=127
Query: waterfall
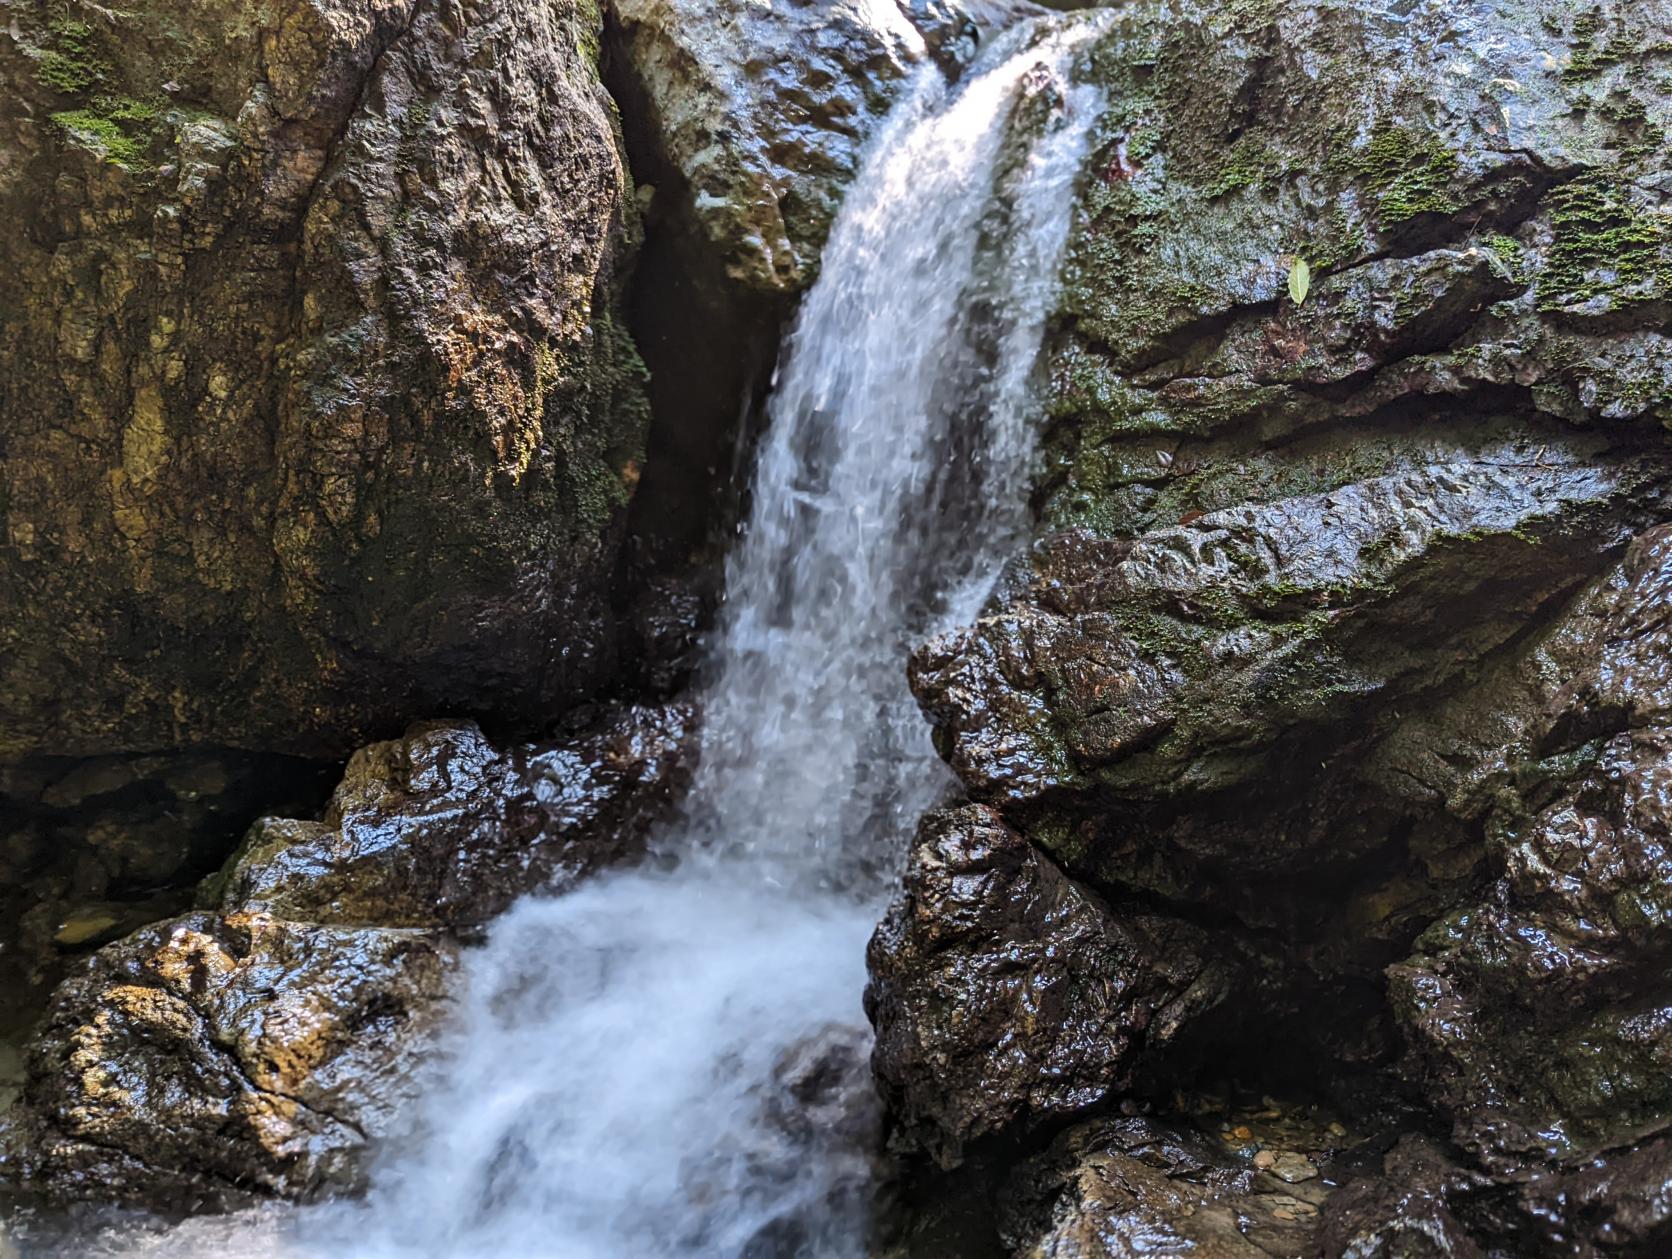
x=633, y=1062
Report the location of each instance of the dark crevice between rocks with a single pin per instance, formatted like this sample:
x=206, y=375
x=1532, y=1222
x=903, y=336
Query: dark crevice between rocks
x=710, y=345
x=94, y=848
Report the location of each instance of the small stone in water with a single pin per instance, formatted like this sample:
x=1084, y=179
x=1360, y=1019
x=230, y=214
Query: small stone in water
x=1243, y=1133
x=1293, y=1167
x=1336, y=1130
x=84, y=926
x=1264, y=1159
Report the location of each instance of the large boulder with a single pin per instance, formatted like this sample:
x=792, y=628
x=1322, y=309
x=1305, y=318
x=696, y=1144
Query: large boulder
x=441, y=828
x=1341, y=641
x=316, y=404
x=207, y=1059
x=263, y=1045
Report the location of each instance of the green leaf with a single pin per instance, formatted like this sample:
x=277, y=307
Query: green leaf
x=1300, y=281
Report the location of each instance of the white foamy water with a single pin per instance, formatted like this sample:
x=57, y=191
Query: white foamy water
x=615, y=1085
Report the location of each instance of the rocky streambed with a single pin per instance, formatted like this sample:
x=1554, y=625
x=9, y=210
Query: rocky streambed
x=1303, y=887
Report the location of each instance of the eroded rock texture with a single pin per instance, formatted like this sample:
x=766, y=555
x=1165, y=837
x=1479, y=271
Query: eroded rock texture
x=1342, y=643
x=206, y=1059
x=1130, y=1187
x=262, y=1045
x=440, y=828
x=1005, y=995
x=760, y=114
x=316, y=411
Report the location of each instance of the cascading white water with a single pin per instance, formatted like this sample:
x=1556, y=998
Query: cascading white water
x=612, y=1086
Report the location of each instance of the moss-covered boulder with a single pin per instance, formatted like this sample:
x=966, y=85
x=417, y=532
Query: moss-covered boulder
x=1353, y=478
x=316, y=408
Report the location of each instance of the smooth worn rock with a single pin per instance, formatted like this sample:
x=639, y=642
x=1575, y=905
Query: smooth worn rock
x=1004, y=995
x=316, y=404
x=1422, y=1203
x=1126, y=1188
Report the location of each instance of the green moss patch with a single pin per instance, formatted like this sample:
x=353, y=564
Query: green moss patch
x=104, y=134
x=1407, y=172
x=1249, y=164
x=1604, y=246
x=71, y=64
x=1594, y=49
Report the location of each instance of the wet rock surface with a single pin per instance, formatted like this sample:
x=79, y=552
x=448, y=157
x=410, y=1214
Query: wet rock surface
x=262, y=1045
x=1341, y=646
x=208, y=1059
x=317, y=408
x=1131, y=1187
x=1005, y=995
x=1538, y=1010
x=441, y=828
x=760, y=113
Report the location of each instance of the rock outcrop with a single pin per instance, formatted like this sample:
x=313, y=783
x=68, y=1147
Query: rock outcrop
x=759, y=114
x=1537, y=1013
x=1341, y=647
x=1130, y=1187
x=440, y=828
x=208, y=1059
x=1005, y=996
x=262, y=1046
x=317, y=407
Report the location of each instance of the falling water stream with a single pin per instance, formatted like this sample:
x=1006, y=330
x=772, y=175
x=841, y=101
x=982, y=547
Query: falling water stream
x=615, y=1083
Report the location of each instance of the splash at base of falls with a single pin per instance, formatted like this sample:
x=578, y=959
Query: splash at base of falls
x=670, y=1061
x=619, y=1054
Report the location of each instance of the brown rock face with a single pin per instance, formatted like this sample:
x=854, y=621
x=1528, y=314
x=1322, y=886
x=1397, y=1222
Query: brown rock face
x=314, y=404
x=204, y=1060
x=440, y=828
x=1004, y=995
x=1126, y=1188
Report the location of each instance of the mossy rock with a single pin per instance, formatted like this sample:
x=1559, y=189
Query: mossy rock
x=312, y=423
